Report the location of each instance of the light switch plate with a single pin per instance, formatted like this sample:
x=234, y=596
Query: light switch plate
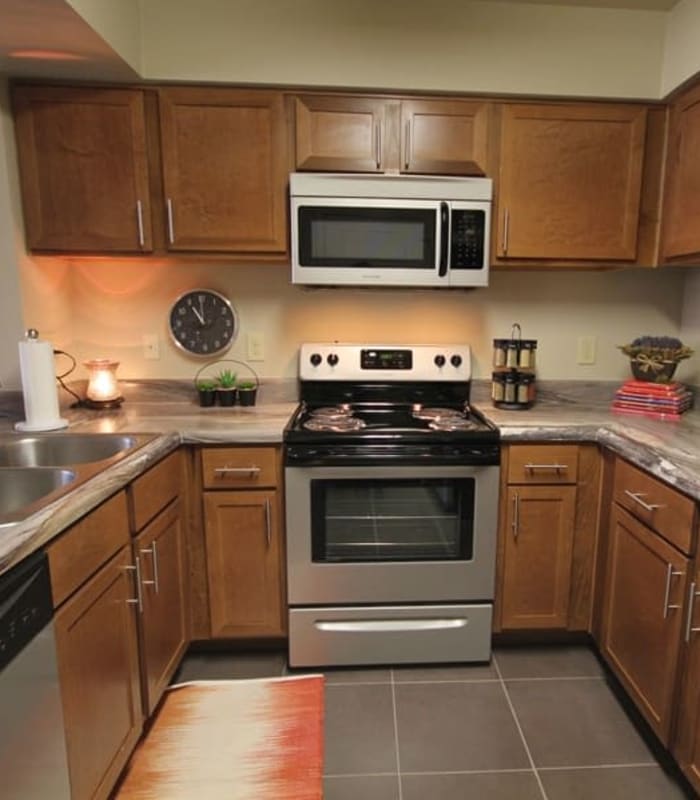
x=586, y=349
x=256, y=347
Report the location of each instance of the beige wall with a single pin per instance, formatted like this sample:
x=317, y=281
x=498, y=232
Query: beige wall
x=452, y=45
x=681, y=52
x=118, y=22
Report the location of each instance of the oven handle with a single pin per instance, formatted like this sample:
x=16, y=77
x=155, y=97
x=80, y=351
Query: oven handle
x=388, y=625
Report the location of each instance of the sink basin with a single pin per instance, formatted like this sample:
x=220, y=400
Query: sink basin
x=61, y=449
x=20, y=487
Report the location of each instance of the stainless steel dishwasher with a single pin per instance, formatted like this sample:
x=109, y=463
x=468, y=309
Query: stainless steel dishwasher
x=33, y=761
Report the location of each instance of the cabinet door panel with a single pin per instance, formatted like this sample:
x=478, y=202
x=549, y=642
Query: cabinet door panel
x=244, y=563
x=645, y=590
x=224, y=169
x=539, y=531
x=98, y=663
x=444, y=137
x=570, y=181
x=83, y=169
x=160, y=549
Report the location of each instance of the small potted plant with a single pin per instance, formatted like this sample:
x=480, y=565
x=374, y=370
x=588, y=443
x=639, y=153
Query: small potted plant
x=247, y=391
x=226, y=387
x=206, y=389
x=655, y=358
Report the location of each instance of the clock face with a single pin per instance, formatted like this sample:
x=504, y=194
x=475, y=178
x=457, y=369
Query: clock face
x=203, y=323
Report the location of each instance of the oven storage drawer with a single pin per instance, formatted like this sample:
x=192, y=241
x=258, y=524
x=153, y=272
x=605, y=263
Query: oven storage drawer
x=349, y=635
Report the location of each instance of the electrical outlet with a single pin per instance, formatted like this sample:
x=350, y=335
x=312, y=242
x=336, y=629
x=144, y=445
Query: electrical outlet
x=256, y=347
x=586, y=349
x=151, y=346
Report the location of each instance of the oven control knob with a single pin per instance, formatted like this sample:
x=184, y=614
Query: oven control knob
x=332, y=359
x=315, y=359
x=439, y=361
x=456, y=361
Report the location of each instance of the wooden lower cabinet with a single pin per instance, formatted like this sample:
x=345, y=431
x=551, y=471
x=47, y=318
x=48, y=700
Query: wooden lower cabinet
x=643, y=614
x=244, y=563
x=163, y=628
x=539, y=533
x=98, y=659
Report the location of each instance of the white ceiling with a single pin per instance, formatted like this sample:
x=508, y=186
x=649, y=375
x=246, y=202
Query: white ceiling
x=73, y=50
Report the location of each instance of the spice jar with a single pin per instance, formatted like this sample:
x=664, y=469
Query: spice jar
x=512, y=353
x=498, y=383
x=499, y=352
x=510, y=393
x=527, y=353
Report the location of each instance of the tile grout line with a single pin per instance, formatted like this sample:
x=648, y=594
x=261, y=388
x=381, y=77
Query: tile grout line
x=396, y=733
x=520, y=729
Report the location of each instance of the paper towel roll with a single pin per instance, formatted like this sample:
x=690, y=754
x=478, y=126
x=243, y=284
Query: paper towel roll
x=36, y=364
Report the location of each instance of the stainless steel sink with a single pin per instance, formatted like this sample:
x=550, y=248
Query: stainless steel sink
x=22, y=487
x=62, y=449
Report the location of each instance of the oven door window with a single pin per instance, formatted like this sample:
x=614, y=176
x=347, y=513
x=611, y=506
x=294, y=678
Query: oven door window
x=421, y=519
x=339, y=236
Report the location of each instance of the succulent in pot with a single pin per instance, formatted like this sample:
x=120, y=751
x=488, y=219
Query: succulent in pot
x=655, y=358
x=206, y=389
x=247, y=391
x=226, y=387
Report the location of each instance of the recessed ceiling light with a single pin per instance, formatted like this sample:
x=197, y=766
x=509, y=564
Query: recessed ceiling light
x=46, y=55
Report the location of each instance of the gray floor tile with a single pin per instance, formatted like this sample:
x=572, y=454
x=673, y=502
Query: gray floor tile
x=359, y=730
x=547, y=661
x=575, y=723
x=361, y=787
x=472, y=786
x=229, y=666
x=611, y=783
x=360, y=675
x=446, y=727
x=462, y=672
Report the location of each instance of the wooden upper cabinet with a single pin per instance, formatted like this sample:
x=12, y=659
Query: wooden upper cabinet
x=570, y=181
x=681, y=233
x=83, y=169
x=224, y=155
x=373, y=134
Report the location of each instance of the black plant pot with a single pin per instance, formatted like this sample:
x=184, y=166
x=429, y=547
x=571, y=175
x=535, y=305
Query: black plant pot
x=246, y=397
x=227, y=397
x=207, y=397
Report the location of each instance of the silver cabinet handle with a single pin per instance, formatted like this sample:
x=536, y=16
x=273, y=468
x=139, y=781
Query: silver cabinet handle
x=153, y=553
x=506, y=225
x=378, y=145
x=637, y=497
x=268, y=522
x=139, y=222
x=407, y=145
x=138, y=600
x=516, y=515
x=670, y=573
x=557, y=467
x=390, y=625
x=171, y=226
x=692, y=594
x=251, y=471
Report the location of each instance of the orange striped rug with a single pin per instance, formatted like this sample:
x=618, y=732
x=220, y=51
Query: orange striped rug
x=239, y=740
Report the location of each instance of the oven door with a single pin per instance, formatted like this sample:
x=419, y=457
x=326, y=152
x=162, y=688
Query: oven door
x=391, y=534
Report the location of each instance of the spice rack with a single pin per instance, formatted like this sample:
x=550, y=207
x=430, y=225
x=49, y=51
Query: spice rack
x=513, y=378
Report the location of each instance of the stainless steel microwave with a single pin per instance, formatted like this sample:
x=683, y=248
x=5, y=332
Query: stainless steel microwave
x=390, y=230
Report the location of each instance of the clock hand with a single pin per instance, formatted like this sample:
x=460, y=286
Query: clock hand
x=199, y=315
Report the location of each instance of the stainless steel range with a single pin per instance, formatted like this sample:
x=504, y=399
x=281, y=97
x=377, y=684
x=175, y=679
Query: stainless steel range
x=392, y=502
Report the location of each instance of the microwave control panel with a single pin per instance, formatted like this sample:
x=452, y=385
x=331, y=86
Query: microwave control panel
x=468, y=229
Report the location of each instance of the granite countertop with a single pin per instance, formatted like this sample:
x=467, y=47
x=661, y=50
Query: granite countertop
x=564, y=411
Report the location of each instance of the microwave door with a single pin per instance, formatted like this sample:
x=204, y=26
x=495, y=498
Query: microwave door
x=367, y=241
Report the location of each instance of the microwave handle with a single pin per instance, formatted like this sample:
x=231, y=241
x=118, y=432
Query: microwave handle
x=444, y=238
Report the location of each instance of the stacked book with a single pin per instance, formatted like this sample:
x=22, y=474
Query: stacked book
x=662, y=400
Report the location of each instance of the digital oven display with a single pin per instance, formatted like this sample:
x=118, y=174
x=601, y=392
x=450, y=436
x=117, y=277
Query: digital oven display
x=386, y=359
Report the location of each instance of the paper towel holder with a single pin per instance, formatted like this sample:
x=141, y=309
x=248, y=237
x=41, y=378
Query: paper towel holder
x=38, y=385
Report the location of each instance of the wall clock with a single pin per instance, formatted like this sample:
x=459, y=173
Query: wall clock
x=203, y=322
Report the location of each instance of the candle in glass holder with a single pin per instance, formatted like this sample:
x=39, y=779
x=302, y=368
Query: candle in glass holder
x=103, y=387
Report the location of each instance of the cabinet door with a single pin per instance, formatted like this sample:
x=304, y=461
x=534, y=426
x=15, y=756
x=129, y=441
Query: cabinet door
x=98, y=663
x=570, y=181
x=244, y=567
x=160, y=550
x=224, y=169
x=83, y=170
x=682, y=196
x=644, y=593
x=340, y=133
x=445, y=137
x=538, y=541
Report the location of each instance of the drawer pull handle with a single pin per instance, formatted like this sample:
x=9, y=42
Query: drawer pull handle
x=692, y=594
x=250, y=471
x=637, y=497
x=138, y=600
x=557, y=467
x=153, y=553
x=268, y=523
x=670, y=574
x=385, y=625
x=516, y=515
